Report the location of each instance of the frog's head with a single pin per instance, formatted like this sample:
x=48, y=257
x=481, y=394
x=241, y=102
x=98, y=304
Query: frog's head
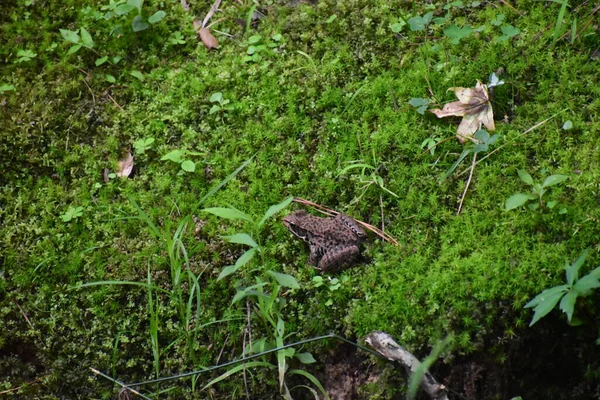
x=296, y=223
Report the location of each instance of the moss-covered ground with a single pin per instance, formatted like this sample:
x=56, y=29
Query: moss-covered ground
x=311, y=87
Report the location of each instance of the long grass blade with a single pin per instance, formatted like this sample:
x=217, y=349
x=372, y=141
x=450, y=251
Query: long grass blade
x=224, y=182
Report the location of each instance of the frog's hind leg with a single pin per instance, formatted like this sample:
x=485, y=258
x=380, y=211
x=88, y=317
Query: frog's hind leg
x=338, y=257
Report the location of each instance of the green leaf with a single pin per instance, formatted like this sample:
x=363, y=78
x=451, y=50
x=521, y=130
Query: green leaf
x=101, y=61
x=306, y=358
x=331, y=19
x=174, y=155
x=418, y=23
x=554, y=180
x=137, y=74
x=241, y=238
x=546, y=301
x=509, y=31
x=123, y=9
x=70, y=36
x=284, y=280
x=588, y=282
x=456, y=34
x=567, y=125
x=517, y=200
x=216, y=97
x=157, y=16
x=544, y=295
x=86, y=38
x=110, y=78
x=397, y=27
x=573, y=269
x=243, y=260
x=73, y=49
x=188, y=166
x=551, y=204
x=567, y=304
x=237, y=369
x=229, y=213
x=6, y=87
x=418, y=102
x=354, y=166
x=274, y=209
x=525, y=177
x=249, y=291
x=138, y=24
x=136, y=4
x=311, y=378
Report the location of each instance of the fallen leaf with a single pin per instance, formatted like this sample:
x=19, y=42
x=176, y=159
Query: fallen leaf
x=210, y=42
x=125, y=166
x=474, y=106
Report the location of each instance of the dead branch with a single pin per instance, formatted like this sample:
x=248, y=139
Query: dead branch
x=387, y=347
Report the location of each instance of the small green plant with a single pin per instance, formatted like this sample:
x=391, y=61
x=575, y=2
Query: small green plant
x=369, y=176
x=71, y=214
x=25, y=56
x=568, y=293
x=456, y=33
x=123, y=7
x=179, y=156
x=78, y=41
x=420, y=104
x=482, y=142
x=519, y=199
x=219, y=103
x=141, y=145
x=257, y=46
x=176, y=38
x=430, y=143
x=333, y=284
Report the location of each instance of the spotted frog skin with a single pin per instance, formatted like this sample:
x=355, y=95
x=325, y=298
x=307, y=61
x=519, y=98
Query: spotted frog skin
x=334, y=242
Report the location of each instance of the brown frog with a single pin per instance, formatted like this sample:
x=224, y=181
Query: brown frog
x=334, y=242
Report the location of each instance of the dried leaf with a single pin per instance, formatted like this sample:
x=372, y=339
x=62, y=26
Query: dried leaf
x=125, y=165
x=474, y=106
x=207, y=38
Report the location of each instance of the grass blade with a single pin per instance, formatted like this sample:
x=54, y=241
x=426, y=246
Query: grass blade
x=224, y=182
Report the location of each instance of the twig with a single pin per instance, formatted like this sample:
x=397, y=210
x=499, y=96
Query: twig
x=223, y=348
x=185, y=5
x=210, y=13
x=113, y=100
x=247, y=331
x=382, y=217
x=332, y=213
x=468, y=183
x=514, y=9
x=518, y=136
x=123, y=385
x=24, y=315
x=386, y=346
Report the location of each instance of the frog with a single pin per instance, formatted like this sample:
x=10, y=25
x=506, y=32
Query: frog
x=334, y=242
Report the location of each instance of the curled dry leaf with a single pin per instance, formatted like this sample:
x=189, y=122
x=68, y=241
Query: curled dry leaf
x=207, y=38
x=474, y=106
x=125, y=166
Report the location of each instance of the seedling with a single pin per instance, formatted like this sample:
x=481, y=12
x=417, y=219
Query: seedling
x=179, y=156
x=124, y=7
x=369, y=175
x=141, y=145
x=71, y=214
x=25, y=55
x=568, y=293
x=221, y=104
x=176, y=38
x=519, y=199
x=481, y=145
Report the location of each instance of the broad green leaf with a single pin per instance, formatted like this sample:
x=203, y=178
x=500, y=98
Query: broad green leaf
x=137, y=4
x=573, y=269
x=216, y=97
x=567, y=304
x=306, y=358
x=156, y=17
x=86, y=38
x=137, y=74
x=138, y=24
x=554, y=180
x=174, y=155
x=101, y=61
x=588, y=282
x=456, y=34
x=525, y=177
x=567, y=125
x=228, y=213
x=123, y=9
x=74, y=49
x=551, y=204
x=243, y=260
x=545, y=305
x=284, y=279
x=418, y=102
x=110, y=78
x=274, y=209
x=281, y=364
x=517, y=200
x=70, y=36
x=188, y=166
x=509, y=31
x=241, y=238
x=418, y=23
x=544, y=295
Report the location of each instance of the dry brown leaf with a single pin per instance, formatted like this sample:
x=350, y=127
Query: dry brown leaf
x=125, y=166
x=474, y=106
x=210, y=42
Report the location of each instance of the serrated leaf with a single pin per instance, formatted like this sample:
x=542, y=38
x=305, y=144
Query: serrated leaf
x=554, y=180
x=70, y=36
x=525, y=177
x=249, y=291
x=284, y=280
x=567, y=304
x=156, y=17
x=305, y=358
x=228, y=213
x=188, y=166
x=86, y=38
x=545, y=305
x=274, y=209
x=241, y=238
x=138, y=24
x=517, y=200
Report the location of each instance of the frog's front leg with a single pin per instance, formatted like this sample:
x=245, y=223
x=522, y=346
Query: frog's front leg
x=338, y=257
